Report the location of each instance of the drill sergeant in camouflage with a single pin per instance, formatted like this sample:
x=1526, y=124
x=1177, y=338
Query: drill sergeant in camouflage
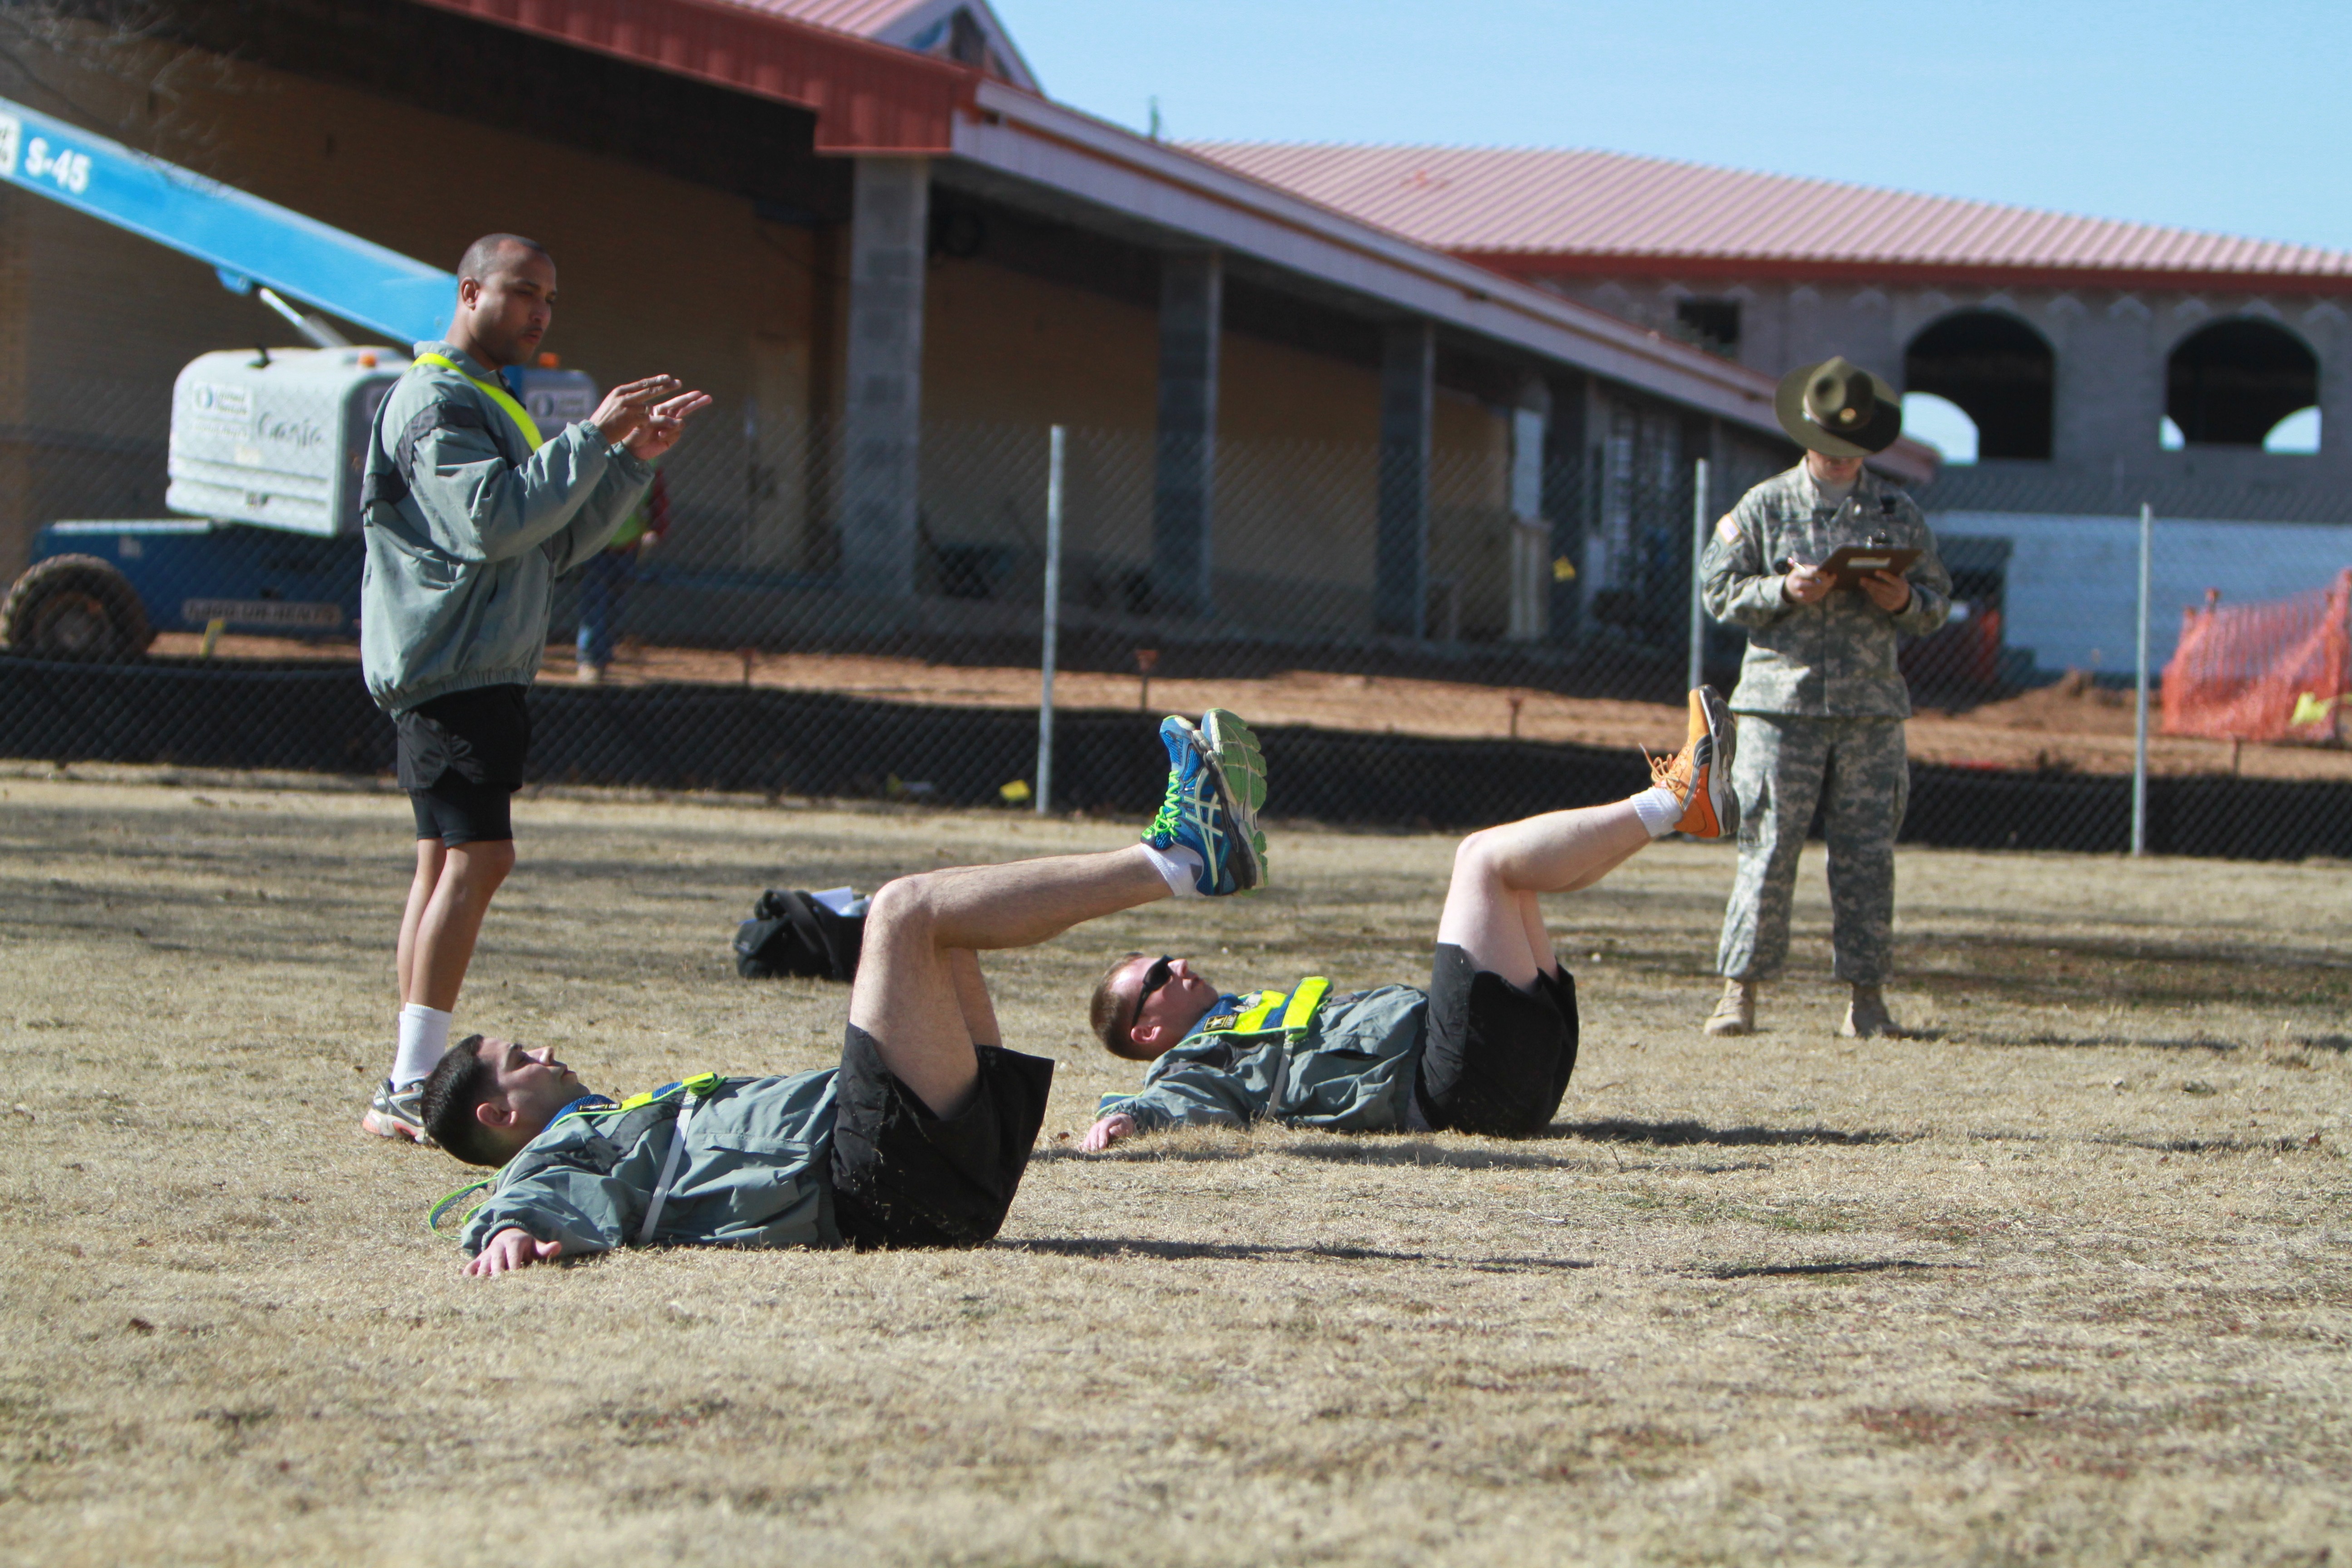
x=1820, y=699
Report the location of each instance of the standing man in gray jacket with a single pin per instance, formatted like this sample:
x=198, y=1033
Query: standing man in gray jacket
x=1821, y=699
x=469, y=515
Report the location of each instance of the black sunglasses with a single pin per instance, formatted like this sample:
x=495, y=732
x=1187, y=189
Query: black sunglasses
x=1154, y=978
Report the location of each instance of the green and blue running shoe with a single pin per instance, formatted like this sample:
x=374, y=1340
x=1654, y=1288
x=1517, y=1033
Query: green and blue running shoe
x=1216, y=781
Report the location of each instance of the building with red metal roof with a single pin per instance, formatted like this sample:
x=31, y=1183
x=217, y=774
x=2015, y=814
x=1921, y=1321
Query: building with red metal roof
x=2102, y=362
x=895, y=265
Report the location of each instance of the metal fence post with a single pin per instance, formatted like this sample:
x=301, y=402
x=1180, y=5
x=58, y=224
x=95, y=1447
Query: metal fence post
x=1052, y=621
x=2139, y=720
x=1698, y=549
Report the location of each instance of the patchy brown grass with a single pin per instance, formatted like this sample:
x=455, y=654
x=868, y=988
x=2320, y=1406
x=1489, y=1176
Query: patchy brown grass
x=2065, y=1281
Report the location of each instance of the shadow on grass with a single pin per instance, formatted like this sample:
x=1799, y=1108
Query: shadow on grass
x=1227, y=1251
x=1675, y=1134
x=1865, y=1265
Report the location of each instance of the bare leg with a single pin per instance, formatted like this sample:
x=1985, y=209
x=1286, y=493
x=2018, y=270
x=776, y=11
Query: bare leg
x=429, y=858
x=452, y=920
x=1560, y=850
x=917, y=972
x=972, y=995
x=1540, y=941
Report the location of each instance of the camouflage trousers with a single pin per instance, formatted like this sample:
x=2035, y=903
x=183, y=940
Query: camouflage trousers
x=1782, y=767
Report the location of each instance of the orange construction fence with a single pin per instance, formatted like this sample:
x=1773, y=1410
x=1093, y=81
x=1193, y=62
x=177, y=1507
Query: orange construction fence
x=2274, y=671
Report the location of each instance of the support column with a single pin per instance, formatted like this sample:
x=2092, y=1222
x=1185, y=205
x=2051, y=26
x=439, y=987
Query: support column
x=888, y=241
x=1401, y=556
x=1530, y=534
x=1191, y=312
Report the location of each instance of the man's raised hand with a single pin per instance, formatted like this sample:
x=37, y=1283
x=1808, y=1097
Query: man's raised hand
x=665, y=423
x=624, y=408
x=511, y=1249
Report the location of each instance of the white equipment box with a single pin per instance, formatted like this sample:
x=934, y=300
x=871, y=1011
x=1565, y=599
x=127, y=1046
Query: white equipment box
x=279, y=438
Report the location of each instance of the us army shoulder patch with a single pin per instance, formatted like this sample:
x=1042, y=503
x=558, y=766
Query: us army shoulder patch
x=1728, y=529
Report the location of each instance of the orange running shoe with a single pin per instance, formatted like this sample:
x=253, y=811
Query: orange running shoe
x=1700, y=774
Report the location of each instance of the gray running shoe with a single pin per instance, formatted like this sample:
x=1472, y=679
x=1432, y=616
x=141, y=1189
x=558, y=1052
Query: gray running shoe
x=398, y=1113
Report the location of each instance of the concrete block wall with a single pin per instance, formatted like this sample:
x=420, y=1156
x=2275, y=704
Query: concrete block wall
x=2110, y=347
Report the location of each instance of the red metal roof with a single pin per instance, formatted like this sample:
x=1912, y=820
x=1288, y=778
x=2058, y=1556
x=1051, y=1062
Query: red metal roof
x=868, y=97
x=1534, y=213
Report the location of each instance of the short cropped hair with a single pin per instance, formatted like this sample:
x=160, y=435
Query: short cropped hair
x=481, y=257
x=456, y=1087
x=1103, y=1014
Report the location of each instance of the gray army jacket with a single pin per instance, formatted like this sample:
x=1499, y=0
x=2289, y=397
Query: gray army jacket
x=1346, y=1064
x=755, y=1170
x=466, y=532
x=1833, y=658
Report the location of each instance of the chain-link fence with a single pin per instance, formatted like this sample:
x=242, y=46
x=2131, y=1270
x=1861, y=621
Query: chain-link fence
x=1449, y=636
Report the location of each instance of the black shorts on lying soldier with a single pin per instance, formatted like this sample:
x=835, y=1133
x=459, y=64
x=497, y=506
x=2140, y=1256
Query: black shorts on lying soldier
x=918, y=1138
x=1487, y=1048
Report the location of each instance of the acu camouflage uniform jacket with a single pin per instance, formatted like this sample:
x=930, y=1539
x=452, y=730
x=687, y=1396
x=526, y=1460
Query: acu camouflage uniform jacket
x=1833, y=658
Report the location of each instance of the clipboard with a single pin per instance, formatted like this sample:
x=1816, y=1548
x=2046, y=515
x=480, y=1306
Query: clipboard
x=1850, y=564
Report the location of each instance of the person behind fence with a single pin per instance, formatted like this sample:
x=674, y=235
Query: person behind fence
x=918, y=1139
x=469, y=516
x=605, y=581
x=1821, y=699
x=1487, y=1048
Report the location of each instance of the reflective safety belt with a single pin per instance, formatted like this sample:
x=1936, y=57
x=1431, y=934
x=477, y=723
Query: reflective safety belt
x=1297, y=1009
x=1303, y=1003
x=432, y=1219
x=496, y=394
x=1252, y=1022
x=694, y=1089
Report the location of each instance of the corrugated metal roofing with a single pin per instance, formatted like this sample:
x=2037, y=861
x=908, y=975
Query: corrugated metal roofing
x=897, y=22
x=868, y=97
x=1534, y=211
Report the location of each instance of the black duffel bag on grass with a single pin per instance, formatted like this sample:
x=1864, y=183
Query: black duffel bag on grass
x=789, y=932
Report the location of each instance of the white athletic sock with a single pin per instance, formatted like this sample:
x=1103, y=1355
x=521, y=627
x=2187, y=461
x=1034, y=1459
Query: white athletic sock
x=424, y=1041
x=1658, y=809
x=1177, y=868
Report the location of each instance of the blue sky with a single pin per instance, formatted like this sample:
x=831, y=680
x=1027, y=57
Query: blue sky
x=2234, y=118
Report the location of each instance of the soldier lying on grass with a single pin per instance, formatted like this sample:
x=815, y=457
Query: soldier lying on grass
x=1486, y=1049
x=918, y=1139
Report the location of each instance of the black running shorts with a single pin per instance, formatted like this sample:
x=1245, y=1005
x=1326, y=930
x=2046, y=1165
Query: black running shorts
x=905, y=1177
x=1497, y=1057
x=461, y=759
x=456, y=812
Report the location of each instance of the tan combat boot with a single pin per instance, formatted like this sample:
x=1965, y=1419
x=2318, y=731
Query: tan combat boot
x=1867, y=1015
x=1735, y=1013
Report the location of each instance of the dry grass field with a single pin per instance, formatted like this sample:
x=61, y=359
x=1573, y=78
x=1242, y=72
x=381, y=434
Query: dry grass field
x=2066, y=1280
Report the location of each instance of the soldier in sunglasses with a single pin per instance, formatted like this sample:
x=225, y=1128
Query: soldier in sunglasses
x=1486, y=1049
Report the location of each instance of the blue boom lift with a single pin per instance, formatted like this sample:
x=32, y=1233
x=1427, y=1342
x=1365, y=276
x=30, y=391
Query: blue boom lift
x=266, y=445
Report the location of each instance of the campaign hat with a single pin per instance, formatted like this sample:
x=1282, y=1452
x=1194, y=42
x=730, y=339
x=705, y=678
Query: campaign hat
x=1838, y=410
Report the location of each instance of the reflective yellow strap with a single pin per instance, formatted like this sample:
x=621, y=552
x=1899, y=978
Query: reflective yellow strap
x=432, y=1220
x=1254, y=1021
x=701, y=1083
x=1303, y=1003
x=496, y=394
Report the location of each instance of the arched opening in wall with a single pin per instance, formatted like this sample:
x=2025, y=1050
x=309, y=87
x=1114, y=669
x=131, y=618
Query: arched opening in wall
x=1942, y=424
x=1996, y=370
x=2230, y=384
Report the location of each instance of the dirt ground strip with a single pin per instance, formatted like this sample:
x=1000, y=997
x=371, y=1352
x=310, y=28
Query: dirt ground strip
x=2074, y=726
x=2067, y=1280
